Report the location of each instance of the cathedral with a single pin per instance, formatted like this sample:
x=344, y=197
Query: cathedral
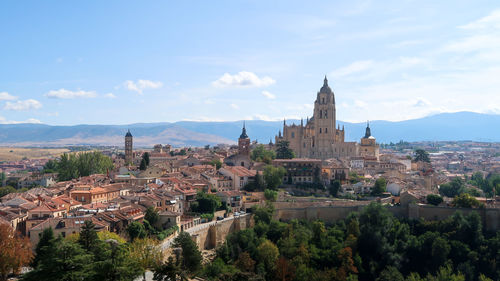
x=320, y=137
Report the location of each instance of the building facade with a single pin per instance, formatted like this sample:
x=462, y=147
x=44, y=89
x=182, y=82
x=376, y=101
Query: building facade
x=129, y=158
x=319, y=138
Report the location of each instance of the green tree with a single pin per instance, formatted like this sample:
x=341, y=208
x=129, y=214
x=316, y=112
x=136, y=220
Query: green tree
x=283, y=151
x=6, y=190
x=421, y=156
x=65, y=261
x=261, y=154
x=273, y=176
x=434, y=199
x=334, y=188
x=465, y=200
x=379, y=187
x=145, y=156
x=152, y=215
x=390, y=273
x=72, y=166
x=113, y=262
x=207, y=203
x=136, y=230
x=271, y=195
x=45, y=244
x=267, y=254
x=191, y=256
x=169, y=271
x=143, y=166
x=147, y=253
x=453, y=188
x=216, y=163
x=88, y=236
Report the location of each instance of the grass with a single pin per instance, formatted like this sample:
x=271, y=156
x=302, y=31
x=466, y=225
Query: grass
x=18, y=153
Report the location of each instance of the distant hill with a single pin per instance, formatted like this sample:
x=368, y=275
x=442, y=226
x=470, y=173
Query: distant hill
x=445, y=126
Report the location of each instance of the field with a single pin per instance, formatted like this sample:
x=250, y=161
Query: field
x=18, y=153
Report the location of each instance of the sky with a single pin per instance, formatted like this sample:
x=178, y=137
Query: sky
x=122, y=62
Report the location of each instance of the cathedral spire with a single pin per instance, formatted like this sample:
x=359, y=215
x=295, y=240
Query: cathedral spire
x=368, y=132
x=244, y=132
x=325, y=82
x=301, y=122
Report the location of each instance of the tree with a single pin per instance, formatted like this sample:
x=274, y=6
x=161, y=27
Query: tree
x=207, y=203
x=261, y=154
x=245, y=262
x=271, y=195
x=6, y=190
x=434, y=199
x=422, y=156
x=191, y=256
x=390, y=273
x=465, y=200
x=145, y=156
x=136, y=230
x=334, y=188
x=88, y=236
x=147, y=253
x=267, y=254
x=216, y=163
x=143, y=166
x=169, y=271
x=152, y=215
x=283, y=151
x=453, y=188
x=273, y=176
x=15, y=251
x=113, y=262
x=379, y=187
x=72, y=166
x=45, y=243
x=66, y=261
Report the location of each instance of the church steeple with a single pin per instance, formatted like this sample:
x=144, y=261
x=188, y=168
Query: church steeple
x=368, y=132
x=244, y=132
x=325, y=82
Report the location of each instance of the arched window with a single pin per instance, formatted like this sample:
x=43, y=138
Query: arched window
x=320, y=114
x=293, y=135
x=320, y=130
x=326, y=130
x=326, y=113
x=323, y=100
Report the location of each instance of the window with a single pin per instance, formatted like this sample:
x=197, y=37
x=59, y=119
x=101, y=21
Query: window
x=326, y=113
x=293, y=135
x=320, y=114
x=323, y=100
x=326, y=130
x=304, y=145
x=320, y=130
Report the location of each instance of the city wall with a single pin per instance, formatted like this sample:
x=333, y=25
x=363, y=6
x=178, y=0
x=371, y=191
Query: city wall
x=490, y=217
x=215, y=234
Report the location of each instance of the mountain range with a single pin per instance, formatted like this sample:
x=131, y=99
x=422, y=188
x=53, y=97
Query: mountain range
x=440, y=127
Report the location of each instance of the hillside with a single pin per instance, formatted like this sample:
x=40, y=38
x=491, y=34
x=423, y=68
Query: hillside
x=445, y=126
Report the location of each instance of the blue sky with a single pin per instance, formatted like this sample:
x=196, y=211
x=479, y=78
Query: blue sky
x=120, y=62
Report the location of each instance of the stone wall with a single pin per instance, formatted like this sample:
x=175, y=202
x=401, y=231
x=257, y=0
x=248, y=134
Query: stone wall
x=330, y=214
x=214, y=235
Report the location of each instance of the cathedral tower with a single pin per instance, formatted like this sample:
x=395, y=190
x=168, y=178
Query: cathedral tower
x=128, y=148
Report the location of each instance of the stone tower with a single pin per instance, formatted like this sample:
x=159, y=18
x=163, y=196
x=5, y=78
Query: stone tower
x=324, y=118
x=369, y=146
x=244, y=142
x=128, y=148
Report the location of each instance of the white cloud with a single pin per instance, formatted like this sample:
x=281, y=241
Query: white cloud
x=67, y=94
x=141, y=85
x=23, y=105
x=30, y=120
x=268, y=95
x=234, y=106
x=243, y=79
x=110, y=95
x=7, y=96
x=490, y=21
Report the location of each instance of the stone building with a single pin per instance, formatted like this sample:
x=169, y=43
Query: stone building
x=319, y=138
x=369, y=146
x=129, y=158
x=242, y=158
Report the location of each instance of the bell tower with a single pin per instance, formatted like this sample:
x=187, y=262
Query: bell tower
x=128, y=148
x=244, y=142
